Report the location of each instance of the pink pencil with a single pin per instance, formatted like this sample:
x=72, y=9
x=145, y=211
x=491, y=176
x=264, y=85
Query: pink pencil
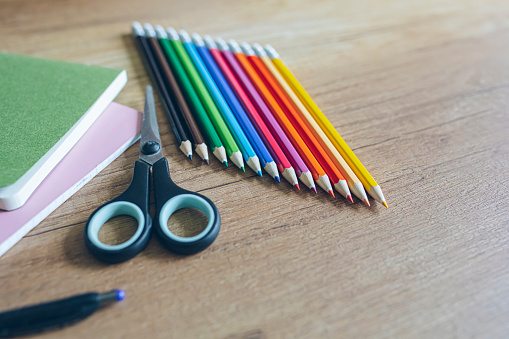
x=272, y=146
x=300, y=167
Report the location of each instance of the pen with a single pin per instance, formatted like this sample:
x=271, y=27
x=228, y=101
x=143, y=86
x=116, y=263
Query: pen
x=54, y=314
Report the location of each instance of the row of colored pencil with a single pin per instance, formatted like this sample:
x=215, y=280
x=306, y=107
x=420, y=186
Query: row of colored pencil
x=244, y=104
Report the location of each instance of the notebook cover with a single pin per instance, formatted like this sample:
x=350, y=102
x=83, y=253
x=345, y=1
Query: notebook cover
x=112, y=133
x=45, y=104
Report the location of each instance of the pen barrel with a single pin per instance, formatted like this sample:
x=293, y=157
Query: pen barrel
x=42, y=317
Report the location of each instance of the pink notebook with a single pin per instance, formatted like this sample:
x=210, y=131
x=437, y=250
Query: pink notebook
x=113, y=132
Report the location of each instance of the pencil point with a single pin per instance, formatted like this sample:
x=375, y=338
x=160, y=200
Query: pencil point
x=243, y=169
x=331, y=193
x=271, y=168
x=254, y=164
x=358, y=190
x=236, y=158
x=385, y=204
x=220, y=154
x=324, y=182
x=202, y=151
x=260, y=173
x=186, y=148
x=307, y=179
x=190, y=156
x=314, y=189
x=366, y=201
x=277, y=178
x=350, y=198
x=297, y=185
x=290, y=176
x=225, y=163
x=207, y=161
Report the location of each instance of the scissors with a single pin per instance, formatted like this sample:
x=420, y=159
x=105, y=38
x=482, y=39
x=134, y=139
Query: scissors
x=134, y=202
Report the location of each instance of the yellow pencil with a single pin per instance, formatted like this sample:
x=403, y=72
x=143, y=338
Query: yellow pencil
x=352, y=180
x=357, y=167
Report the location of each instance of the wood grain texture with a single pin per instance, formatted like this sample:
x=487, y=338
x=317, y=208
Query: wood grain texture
x=418, y=89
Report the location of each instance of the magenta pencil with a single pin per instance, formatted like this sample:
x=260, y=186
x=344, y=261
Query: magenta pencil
x=296, y=161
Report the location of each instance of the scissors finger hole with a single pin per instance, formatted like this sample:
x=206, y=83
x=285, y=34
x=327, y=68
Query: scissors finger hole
x=187, y=222
x=187, y=201
x=108, y=212
x=118, y=230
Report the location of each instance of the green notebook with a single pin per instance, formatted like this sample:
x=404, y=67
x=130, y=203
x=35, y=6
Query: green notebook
x=45, y=108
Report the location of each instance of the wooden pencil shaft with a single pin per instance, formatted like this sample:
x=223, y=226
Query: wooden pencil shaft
x=318, y=132
x=265, y=149
x=345, y=151
x=253, y=88
x=267, y=89
x=188, y=118
x=208, y=103
x=223, y=93
x=175, y=108
x=202, y=119
x=151, y=68
x=309, y=139
x=246, y=86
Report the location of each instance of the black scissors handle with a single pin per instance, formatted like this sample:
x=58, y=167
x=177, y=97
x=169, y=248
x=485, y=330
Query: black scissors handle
x=133, y=202
x=170, y=198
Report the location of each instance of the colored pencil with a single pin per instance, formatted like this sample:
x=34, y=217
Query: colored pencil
x=267, y=88
x=167, y=73
x=353, y=182
x=229, y=82
x=210, y=134
x=212, y=111
x=218, y=87
x=153, y=71
x=244, y=73
x=281, y=92
x=358, y=168
x=273, y=147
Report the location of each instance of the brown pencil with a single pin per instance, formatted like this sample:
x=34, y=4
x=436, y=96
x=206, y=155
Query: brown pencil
x=201, y=147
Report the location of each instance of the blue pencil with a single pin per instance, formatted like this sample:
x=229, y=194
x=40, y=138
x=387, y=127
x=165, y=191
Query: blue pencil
x=247, y=126
x=245, y=147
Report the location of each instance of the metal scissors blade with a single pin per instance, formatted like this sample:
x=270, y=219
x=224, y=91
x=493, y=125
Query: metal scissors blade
x=150, y=144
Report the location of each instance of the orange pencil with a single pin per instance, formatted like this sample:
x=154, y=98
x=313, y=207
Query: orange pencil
x=259, y=79
x=278, y=91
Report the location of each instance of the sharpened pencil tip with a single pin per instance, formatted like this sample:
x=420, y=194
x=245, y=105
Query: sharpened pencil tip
x=190, y=156
x=260, y=173
x=225, y=163
x=366, y=201
x=349, y=197
x=331, y=193
x=277, y=178
x=314, y=189
x=207, y=161
x=243, y=169
x=297, y=185
x=385, y=204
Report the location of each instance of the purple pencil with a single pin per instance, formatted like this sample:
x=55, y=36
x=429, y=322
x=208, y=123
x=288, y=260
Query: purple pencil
x=296, y=161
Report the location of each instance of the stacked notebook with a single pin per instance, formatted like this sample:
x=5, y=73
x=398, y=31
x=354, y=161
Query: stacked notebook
x=58, y=128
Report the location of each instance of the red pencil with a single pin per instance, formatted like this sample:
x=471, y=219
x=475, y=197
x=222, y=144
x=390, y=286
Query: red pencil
x=270, y=73
x=279, y=157
x=248, y=78
x=265, y=87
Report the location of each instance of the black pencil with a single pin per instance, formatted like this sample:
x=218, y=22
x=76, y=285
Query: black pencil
x=183, y=141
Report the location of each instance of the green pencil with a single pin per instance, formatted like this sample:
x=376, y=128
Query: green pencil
x=200, y=114
x=222, y=130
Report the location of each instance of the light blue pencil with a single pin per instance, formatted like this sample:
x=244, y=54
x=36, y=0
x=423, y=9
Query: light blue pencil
x=247, y=126
x=245, y=147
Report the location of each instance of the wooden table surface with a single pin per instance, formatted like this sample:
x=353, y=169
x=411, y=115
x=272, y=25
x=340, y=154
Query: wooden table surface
x=419, y=90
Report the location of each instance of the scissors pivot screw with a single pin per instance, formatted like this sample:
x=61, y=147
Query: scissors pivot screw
x=151, y=147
